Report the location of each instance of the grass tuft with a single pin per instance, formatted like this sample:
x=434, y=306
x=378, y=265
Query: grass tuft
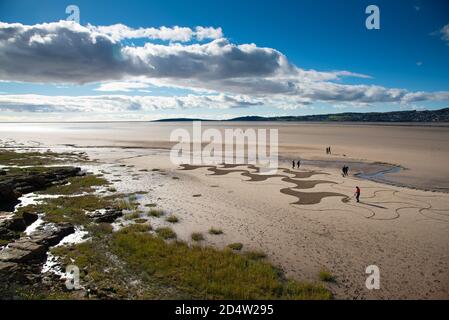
x=100, y=229
x=172, y=219
x=136, y=228
x=166, y=233
x=196, y=236
x=215, y=231
x=128, y=204
x=236, y=246
x=132, y=216
x=255, y=255
x=326, y=276
x=156, y=213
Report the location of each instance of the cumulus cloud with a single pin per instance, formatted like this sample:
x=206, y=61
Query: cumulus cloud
x=119, y=32
x=203, y=33
x=238, y=75
x=66, y=52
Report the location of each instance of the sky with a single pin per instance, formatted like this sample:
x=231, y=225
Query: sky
x=146, y=60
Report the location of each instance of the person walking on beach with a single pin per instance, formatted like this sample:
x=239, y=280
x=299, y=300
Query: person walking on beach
x=357, y=193
x=345, y=170
x=299, y=163
x=293, y=164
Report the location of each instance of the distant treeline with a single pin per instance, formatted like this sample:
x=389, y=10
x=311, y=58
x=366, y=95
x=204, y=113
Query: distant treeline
x=441, y=115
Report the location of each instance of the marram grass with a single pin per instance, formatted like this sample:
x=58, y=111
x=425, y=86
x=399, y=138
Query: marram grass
x=209, y=273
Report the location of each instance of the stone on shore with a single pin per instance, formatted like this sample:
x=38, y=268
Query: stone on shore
x=34, y=248
x=108, y=215
x=14, y=185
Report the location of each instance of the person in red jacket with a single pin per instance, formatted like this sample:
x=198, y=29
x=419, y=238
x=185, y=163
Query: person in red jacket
x=357, y=193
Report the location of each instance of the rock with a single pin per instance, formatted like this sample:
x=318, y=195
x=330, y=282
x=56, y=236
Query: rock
x=109, y=215
x=52, y=236
x=21, y=261
x=8, y=198
x=2, y=173
x=8, y=266
x=25, y=252
x=33, y=249
x=14, y=224
x=29, y=217
x=11, y=228
x=12, y=187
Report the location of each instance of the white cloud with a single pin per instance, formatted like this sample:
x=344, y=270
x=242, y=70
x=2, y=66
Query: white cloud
x=445, y=33
x=120, y=103
x=239, y=75
x=203, y=33
x=124, y=86
x=72, y=53
x=119, y=32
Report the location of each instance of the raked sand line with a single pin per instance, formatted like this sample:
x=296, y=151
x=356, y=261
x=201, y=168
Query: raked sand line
x=423, y=207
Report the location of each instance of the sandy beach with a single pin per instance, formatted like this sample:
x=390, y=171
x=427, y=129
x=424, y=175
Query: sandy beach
x=304, y=219
x=402, y=231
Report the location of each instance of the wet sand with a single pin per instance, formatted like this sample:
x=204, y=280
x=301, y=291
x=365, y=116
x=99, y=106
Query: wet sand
x=421, y=150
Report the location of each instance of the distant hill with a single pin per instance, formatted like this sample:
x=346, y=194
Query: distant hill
x=441, y=115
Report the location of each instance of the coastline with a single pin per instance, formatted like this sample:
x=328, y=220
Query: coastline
x=364, y=169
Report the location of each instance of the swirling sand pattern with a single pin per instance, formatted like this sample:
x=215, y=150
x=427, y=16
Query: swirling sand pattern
x=371, y=207
x=391, y=210
x=303, y=198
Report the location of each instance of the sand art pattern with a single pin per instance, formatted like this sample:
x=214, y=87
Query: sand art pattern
x=303, y=198
x=372, y=206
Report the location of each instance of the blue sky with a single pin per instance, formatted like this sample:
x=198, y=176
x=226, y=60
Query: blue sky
x=409, y=53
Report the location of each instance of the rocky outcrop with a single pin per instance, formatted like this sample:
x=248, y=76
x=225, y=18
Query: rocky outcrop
x=21, y=260
x=33, y=249
x=107, y=215
x=8, y=267
x=12, y=186
x=11, y=228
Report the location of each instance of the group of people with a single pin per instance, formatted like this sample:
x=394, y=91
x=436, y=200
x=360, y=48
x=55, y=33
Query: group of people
x=298, y=164
x=344, y=171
